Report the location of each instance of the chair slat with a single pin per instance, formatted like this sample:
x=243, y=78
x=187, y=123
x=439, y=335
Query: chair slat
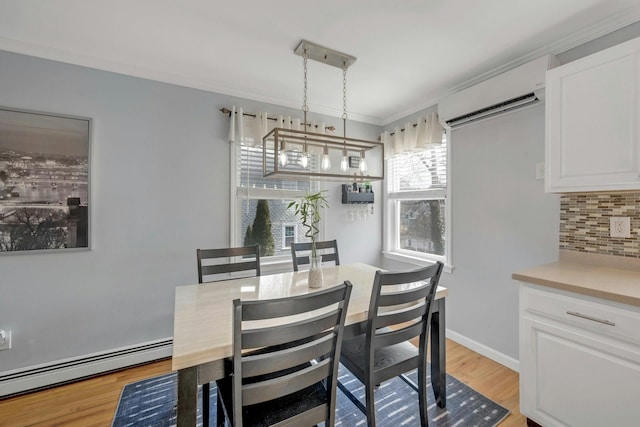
x=264, y=337
x=227, y=252
x=286, y=384
x=228, y=268
x=260, y=364
x=386, y=339
x=401, y=316
x=255, y=310
x=404, y=296
x=304, y=259
x=397, y=278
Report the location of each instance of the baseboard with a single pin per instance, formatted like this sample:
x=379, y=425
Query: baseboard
x=39, y=376
x=61, y=371
x=482, y=349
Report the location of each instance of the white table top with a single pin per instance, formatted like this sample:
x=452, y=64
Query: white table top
x=202, y=330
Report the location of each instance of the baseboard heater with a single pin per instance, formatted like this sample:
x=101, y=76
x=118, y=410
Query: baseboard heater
x=46, y=375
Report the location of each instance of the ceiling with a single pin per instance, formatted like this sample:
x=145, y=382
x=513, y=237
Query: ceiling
x=410, y=53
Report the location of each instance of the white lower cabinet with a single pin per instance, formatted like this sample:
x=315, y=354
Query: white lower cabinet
x=579, y=359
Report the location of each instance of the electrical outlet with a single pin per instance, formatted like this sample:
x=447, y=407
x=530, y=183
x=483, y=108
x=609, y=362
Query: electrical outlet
x=620, y=226
x=5, y=339
x=540, y=171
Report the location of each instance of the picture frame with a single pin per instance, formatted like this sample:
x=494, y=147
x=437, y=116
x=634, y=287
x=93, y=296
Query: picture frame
x=44, y=181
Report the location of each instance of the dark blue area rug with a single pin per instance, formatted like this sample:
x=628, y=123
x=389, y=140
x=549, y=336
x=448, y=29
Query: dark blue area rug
x=152, y=403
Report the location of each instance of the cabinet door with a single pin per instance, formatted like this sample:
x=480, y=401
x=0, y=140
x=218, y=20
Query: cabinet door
x=572, y=378
x=592, y=116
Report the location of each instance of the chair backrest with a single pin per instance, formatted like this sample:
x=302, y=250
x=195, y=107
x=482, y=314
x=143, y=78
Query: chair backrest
x=300, y=252
x=400, y=310
x=294, y=354
x=209, y=265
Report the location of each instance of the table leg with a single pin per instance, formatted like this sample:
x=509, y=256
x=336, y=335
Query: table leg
x=187, y=397
x=438, y=354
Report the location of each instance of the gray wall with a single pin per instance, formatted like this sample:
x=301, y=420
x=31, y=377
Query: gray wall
x=501, y=221
x=160, y=189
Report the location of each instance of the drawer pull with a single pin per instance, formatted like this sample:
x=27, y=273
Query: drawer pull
x=595, y=319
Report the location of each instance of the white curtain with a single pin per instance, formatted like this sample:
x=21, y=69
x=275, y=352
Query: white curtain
x=250, y=130
x=426, y=133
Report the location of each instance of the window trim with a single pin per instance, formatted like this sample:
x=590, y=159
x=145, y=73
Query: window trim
x=390, y=248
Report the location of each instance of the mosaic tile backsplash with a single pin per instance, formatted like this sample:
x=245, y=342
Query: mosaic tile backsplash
x=584, y=223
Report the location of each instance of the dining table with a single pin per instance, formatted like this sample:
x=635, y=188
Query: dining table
x=203, y=325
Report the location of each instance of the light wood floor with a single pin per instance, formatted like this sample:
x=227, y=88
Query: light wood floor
x=93, y=402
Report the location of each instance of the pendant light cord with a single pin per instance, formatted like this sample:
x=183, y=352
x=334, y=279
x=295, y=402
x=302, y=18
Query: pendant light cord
x=305, y=107
x=344, y=100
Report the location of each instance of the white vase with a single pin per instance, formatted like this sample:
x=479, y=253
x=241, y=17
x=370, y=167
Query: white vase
x=316, y=280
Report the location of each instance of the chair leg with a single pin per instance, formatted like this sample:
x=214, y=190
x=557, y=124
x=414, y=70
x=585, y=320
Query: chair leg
x=205, y=404
x=422, y=396
x=220, y=418
x=370, y=401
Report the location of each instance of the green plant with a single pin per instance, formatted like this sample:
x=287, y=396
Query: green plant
x=248, y=236
x=307, y=208
x=261, y=230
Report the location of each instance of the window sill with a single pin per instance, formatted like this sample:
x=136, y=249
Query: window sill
x=418, y=261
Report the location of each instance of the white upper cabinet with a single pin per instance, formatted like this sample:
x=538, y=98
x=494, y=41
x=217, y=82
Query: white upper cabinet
x=592, y=117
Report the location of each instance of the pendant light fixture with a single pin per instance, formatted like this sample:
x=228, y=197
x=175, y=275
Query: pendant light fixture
x=306, y=154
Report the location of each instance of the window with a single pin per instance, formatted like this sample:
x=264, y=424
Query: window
x=289, y=235
x=260, y=214
x=416, y=220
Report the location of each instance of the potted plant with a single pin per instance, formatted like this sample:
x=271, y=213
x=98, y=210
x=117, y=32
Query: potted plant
x=307, y=209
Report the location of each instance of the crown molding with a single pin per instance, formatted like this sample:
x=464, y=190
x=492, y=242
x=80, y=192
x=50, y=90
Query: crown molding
x=599, y=29
x=55, y=54
x=582, y=36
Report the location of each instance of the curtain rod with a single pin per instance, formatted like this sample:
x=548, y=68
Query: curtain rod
x=403, y=129
x=225, y=110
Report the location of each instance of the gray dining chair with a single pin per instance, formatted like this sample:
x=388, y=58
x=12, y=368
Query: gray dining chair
x=286, y=373
x=212, y=263
x=301, y=252
x=399, y=310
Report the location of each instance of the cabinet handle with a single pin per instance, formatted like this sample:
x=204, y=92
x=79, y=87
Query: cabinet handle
x=595, y=319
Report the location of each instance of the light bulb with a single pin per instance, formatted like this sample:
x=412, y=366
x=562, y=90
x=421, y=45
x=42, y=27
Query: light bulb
x=283, y=157
x=344, y=164
x=363, y=164
x=304, y=160
x=326, y=163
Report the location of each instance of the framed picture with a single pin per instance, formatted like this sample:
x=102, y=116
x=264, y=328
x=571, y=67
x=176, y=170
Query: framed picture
x=44, y=181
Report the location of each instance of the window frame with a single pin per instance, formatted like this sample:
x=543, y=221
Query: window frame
x=391, y=220
x=284, y=234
